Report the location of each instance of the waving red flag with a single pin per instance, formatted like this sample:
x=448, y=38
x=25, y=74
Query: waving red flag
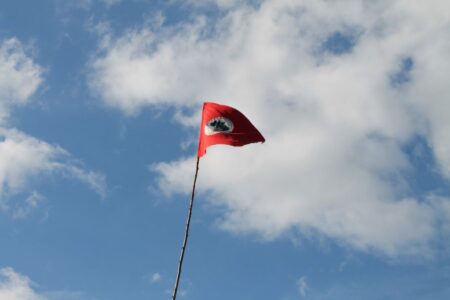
x=226, y=125
x=221, y=124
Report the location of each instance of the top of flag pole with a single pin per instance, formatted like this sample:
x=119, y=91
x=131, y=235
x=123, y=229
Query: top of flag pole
x=226, y=125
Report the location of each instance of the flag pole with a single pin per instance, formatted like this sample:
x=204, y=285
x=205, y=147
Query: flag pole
x=186, y=233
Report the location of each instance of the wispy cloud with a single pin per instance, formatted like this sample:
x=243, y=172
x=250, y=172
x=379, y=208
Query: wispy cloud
x=30, y=204
x=24, y=158
x=302, y=286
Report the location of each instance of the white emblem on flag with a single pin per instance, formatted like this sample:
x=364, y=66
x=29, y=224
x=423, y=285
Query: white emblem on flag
x=218, y=125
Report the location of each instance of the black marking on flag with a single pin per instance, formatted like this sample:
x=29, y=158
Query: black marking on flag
x=218, y=125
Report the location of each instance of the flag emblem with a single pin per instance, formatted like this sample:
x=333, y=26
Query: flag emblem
x=218, y=125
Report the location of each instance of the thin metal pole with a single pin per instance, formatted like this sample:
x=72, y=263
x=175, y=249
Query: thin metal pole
x=186, y=234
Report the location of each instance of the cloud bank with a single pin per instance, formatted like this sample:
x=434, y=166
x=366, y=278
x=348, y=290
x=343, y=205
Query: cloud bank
x=338, y=88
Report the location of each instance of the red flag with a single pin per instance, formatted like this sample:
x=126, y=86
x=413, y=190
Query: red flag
x=223, y=124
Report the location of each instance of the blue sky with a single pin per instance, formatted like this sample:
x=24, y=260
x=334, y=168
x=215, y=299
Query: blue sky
x=100, y=102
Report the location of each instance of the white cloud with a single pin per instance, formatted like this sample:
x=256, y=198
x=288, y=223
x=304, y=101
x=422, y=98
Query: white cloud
x=302, y=286
x=19, y=76
x=14, y=286
x=334, y=163
x=23, y=158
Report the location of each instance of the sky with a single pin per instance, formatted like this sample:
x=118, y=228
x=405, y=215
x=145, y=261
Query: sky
x=100, y=103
